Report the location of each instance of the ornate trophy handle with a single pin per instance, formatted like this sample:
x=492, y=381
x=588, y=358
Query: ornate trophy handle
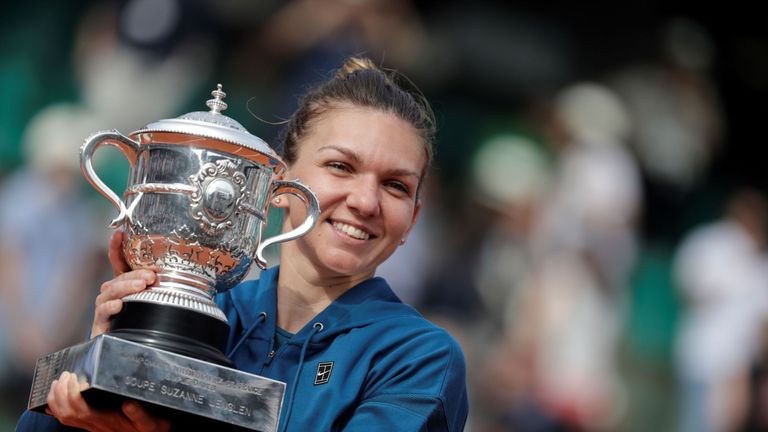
x=128, y=147
x=293, y=187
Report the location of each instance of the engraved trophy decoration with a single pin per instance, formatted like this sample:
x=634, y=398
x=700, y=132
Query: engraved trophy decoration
x=197, y=197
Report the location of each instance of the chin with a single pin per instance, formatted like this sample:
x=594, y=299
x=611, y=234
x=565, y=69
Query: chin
x=346, y=265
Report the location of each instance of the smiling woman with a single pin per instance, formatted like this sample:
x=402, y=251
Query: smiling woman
x=364, y=165
x=353, y=356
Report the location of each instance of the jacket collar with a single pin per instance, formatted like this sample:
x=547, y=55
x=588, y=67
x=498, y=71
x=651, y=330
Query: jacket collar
x=357, y=307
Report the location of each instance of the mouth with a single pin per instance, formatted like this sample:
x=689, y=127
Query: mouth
x=352, y=231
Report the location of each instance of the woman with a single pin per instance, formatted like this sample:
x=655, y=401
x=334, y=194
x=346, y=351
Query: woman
x=363, y=144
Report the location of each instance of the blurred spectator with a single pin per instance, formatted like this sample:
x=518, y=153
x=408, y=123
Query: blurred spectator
x=677, y=113
x=584, y=247
x=478, y=282
x=480, y=289
x=511, y=175
x=383, y=27
x=722, y=270
x=52, y=238
x=595, y=202
x=51, y=249
x=140, y=77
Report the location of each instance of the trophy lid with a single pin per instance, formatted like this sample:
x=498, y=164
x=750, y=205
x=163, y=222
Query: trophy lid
x=211, y=124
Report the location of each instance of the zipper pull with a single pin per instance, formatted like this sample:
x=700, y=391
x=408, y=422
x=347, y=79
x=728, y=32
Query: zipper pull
x=270, y=356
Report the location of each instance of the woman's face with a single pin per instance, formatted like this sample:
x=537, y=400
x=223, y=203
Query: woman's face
x=364, y=165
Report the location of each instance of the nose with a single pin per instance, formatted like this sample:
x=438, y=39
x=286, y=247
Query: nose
x=364, y=197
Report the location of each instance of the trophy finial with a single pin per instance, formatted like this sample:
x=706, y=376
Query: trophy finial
x=217, y=105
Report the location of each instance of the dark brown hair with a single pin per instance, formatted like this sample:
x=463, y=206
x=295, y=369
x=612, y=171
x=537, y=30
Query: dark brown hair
x=361, y=83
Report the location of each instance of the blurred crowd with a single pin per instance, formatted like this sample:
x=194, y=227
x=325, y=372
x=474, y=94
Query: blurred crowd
x=588, y=235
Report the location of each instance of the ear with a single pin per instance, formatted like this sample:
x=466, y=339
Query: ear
x=414, y=218
x=281, y=201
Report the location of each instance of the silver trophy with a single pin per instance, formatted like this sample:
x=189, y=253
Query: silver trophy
x=195, y=205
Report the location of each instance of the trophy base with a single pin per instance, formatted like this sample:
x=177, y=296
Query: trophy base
x=172, y=328
x=185, y=390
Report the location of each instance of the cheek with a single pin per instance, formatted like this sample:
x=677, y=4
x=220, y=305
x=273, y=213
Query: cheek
x=329, y=191
x=297, y=211
x=401, y=218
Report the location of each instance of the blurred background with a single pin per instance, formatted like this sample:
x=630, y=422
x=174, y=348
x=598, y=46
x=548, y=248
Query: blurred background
x=594, y=229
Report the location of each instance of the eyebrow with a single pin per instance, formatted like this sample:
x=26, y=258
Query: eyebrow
x=345, y=151
x=357, y=160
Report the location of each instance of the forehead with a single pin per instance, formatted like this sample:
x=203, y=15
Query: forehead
x=367, y=132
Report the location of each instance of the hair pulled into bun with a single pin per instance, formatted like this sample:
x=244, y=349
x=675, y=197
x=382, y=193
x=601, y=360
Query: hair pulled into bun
x=354, y=64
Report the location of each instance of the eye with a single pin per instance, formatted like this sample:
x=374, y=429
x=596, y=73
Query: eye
x=399, y=187
x=339, y=166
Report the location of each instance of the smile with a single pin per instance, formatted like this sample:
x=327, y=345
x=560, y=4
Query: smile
x=351, y=231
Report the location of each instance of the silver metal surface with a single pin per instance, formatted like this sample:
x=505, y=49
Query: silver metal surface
x=196, y=203
x=297, y=189
x=210, y=396
x=211, y=124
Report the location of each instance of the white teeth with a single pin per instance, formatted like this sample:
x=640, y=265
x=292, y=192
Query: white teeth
x=351, y=231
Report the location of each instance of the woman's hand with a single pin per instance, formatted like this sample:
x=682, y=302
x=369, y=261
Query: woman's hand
x=109, y=302
x=67, y=404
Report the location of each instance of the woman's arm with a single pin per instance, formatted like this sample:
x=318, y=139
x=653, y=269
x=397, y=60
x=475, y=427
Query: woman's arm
x=420, y=386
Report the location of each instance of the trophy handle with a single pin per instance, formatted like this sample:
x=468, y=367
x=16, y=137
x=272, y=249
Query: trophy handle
x=295, y=188
x=127, y=146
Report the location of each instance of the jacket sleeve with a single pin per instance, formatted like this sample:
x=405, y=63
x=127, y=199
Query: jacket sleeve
x=36, y=422
x=419, y=386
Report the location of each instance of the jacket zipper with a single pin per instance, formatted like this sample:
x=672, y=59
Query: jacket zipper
x=271, y=356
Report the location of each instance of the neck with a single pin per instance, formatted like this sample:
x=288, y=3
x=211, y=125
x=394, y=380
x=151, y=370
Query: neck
x=302, y=293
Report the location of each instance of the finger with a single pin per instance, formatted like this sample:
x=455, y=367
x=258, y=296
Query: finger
x=109, y=303
x=148, y=274
x=50, y=400
x=102, y=316
x=75, y=411
x=58, y=400
x=67, y=404
x=119, y=288
x=142, y=420
x=116, y=257
x=74, y=396
x=105, y=310
x=83, y=384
